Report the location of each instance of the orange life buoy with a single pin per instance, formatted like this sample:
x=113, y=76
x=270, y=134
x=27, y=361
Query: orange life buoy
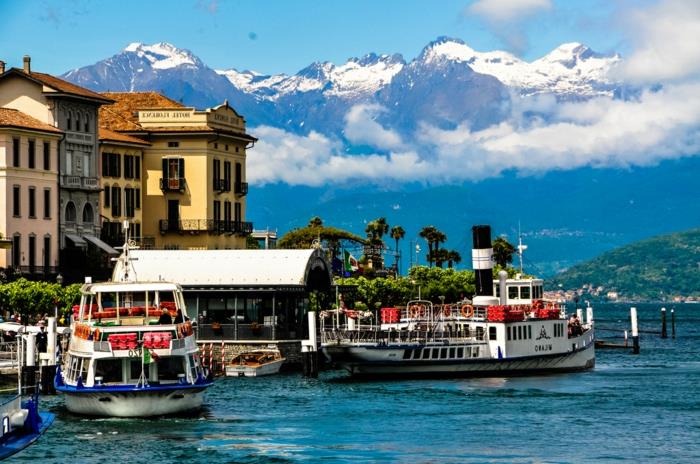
x=96, y=337
x=467, y=310
x=447, y=311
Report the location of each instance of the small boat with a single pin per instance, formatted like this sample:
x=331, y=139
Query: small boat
x=255, y=363
x=508, y=329
x=22, y=424
x=132, y=350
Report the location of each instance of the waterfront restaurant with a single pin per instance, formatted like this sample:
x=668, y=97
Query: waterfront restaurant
x=241, y=294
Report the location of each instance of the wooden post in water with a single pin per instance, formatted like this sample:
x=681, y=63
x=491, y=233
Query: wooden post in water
x=635, y=331
x=673, y=323
x=663, y=323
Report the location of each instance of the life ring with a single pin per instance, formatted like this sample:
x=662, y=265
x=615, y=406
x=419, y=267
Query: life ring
x=96, y=336
x=447, y=311
x=467, y=311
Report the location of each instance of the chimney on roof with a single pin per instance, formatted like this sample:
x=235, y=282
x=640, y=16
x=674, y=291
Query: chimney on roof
x=27, y=64
x=2, y=67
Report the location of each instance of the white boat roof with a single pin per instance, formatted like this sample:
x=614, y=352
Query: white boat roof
x=221, y=267
x=129, y=287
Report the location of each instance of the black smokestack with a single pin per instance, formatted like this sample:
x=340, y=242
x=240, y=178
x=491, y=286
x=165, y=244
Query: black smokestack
x=482, y=260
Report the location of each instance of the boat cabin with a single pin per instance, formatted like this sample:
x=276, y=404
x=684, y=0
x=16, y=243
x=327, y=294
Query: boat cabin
x=520, y=291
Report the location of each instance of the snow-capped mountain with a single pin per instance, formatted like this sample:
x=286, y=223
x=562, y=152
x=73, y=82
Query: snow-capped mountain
x=447, y=84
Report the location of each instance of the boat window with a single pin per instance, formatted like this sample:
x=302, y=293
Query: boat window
x=169, y=367
x=512, y=293
x=452, y=352
x=508, y=332
x=435, y=353
x=479, y=333
x=475, y=352
x=135, y=373
x=110, y=370
x=84, y=369
x=492, y=333
x=520, y=332
x=525, y=293
x=537, y=291
x=497, y=290
x=426, y=353
x=460, y=352
x=443, y=353
x=407, y=354
x=529, y=331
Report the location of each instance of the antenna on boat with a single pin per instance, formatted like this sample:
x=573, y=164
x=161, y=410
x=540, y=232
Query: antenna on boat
x=521, y=248
x=125, y=259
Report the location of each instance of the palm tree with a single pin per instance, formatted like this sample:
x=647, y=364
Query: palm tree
x=503, y=251
x=428, y=233
x=397, y=233
x=316, y=222
x=453, y=257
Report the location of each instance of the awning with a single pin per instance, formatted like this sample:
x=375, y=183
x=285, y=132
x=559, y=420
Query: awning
x=100, y=244
x=77, y=241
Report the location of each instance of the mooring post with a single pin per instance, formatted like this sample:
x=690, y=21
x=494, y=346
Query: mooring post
x=663, y=323
x=625, y=338
x=635, y=331
x=29, y=367
x=309, y=355
x=48, y=367
x=673, y=322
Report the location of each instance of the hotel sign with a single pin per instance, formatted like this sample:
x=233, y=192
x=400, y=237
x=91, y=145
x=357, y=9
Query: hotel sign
x=165, y=115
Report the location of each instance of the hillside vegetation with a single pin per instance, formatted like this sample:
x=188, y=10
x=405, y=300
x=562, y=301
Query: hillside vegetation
x=658, y=268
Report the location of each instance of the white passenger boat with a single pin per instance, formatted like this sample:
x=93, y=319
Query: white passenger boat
x=132, y=351
x=515, y=332
x=255, y=363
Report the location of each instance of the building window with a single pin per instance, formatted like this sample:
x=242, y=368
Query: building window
x=217, y=212
x=47, y=203
x=32, y=254
x=32, y=154
x=47, y=254
x=47, y=156
x=111, y=165
x=69, y=162
x=77, y=122
x=16, y=251
x=106, y=197
x=137, y=167
x=88, y=215
x=173, y=174
x=32, y=202
x=129, y=202
x=69, y=122
x=16, y=201
x=237, y=212
x=226, y=147
x=128, y=167
x=173, y=144
x=116, y=201
x=137, y=198
x=15, y=152
x=87, y=124
x=227, y=175
x=217, y=174
x=70, y=212
x=227, y=214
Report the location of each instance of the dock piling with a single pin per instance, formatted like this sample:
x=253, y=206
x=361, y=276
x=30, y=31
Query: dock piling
x=635, y=330
x=673, y=323
x=663, y=323
x=309, y=353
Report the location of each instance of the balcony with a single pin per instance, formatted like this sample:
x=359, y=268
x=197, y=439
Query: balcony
x=80, y=183
x=195, y=226
x=241, y=188
x=221, y=185
x=173, y=184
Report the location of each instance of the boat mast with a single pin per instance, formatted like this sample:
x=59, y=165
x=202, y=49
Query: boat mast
x=125, y=259
x=521, y=248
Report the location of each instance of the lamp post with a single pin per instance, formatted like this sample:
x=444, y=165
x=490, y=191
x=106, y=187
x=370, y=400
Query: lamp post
x=417, y=254
x=59, y=281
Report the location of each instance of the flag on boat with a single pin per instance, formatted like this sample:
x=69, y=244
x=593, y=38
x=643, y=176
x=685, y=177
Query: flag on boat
x=149, y=356
x=350, y=262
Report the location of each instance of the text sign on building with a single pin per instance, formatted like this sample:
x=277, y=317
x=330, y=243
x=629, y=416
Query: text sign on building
x=165, y=115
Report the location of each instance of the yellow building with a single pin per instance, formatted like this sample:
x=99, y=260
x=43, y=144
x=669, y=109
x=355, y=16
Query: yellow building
x=29, y=216
x=121, y=158
x=193, y=170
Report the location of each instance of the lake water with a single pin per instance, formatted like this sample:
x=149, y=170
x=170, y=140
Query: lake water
x=643, y=408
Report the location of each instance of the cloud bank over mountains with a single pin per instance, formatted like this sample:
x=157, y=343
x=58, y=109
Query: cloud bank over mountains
x=659, y=121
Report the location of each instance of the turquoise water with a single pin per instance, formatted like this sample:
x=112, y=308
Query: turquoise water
x=643, y=408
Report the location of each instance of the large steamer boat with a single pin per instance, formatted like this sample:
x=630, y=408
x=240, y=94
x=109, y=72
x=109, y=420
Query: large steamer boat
x=508, y=329
x=132, y=350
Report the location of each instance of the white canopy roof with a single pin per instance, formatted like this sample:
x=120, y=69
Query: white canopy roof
x=223, y=267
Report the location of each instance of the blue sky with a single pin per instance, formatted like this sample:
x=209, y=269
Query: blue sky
x=285, y=36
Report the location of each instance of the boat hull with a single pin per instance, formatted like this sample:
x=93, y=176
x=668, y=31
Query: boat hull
x=134, y=403
x=242, y=370
x=367, y=361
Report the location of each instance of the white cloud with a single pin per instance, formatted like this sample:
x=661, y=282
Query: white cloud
x=361, y=128
x=666, y=39
x=507, y=10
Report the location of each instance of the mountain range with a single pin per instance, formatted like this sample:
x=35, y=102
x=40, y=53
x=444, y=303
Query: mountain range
x=566, y=216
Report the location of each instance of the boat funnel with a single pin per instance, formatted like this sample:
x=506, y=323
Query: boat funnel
x=482, y=260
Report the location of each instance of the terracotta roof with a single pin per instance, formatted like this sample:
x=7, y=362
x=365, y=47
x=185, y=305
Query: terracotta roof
x=65, y=86
x=107, y=135
x=15, y=118
x=121, y=115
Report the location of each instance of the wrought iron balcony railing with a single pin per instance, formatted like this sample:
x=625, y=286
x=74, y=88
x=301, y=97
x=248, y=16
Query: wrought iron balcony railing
x=173, y=184
x=241, y=188
x=206, y=225
x=222, y=185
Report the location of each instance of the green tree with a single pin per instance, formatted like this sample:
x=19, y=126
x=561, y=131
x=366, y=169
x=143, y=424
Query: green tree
x=428, y=233
x=453, y=257
x=503, y=252
x=315, y=222
x=397, y=233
